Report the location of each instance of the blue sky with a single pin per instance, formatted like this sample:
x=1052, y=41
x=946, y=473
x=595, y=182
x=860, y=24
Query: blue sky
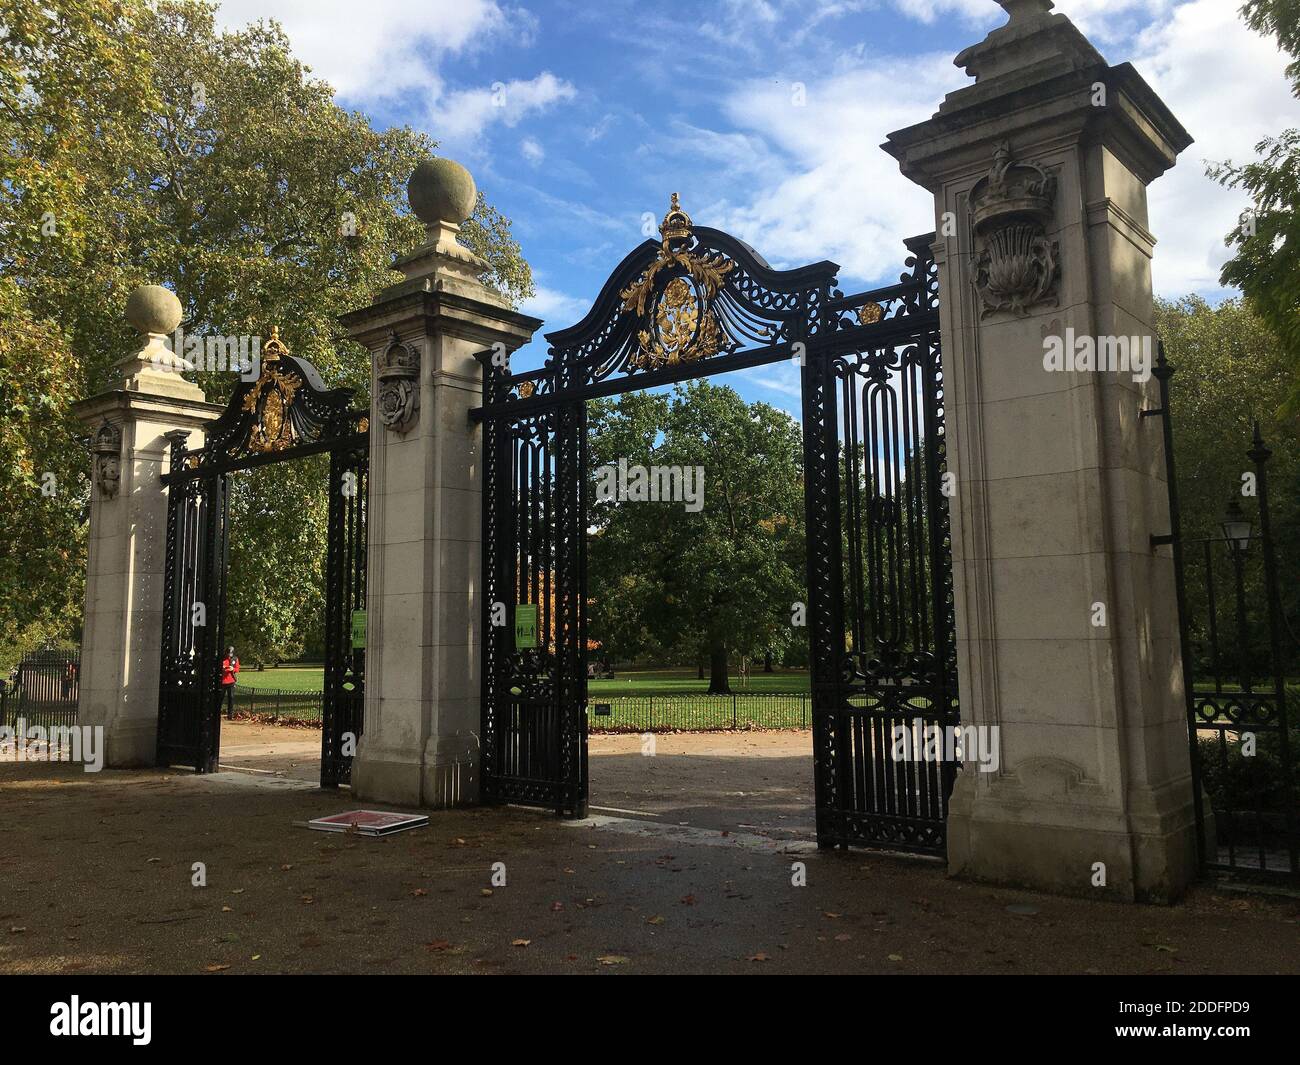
x=579, y=119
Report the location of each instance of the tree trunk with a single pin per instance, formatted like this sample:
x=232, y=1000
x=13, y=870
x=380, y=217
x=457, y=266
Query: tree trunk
x=767, y=662
x=701, y=673
x=718, y=684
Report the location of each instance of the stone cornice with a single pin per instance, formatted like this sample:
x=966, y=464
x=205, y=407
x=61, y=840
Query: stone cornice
x=1134, y=123
x=142, y=405
x=440, y=310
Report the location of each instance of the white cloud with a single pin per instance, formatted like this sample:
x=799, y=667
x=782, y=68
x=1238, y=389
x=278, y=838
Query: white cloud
x=1226, y=85
x=460, y=117
x=379, y=49
x=806, y=183
x=817, y=186
x=557, y=308
x=532, y=151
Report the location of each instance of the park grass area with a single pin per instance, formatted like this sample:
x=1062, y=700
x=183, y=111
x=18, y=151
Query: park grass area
x=284, y=678
x=643, y=682
x=640, y=682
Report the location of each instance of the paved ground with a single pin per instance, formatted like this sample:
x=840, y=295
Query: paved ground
x=96, y=870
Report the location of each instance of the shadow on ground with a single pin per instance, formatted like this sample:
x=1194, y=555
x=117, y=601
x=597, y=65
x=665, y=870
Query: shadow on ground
x=97, y=873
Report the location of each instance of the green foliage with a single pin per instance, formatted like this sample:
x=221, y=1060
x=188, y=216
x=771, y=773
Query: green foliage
x=1230, y=371
x=703, y=584
x=1266, y=241
x=143, y=145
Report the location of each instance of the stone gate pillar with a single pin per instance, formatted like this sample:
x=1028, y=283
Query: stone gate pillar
x=121, y=643
x=420, y=742
x=1067, y=625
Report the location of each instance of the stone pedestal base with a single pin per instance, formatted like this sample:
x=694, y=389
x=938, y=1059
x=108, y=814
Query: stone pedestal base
x=446, y=775
x=1002, y=835
x=130, y=743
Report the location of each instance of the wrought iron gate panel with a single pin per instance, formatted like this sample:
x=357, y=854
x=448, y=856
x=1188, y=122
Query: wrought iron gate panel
x=342, y=718
x=880, y=578
x=189, y=700
x=698, y=303
x=286, y=413
x=533, y=738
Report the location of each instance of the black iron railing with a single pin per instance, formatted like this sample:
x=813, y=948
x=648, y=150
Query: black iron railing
x=698, y=711
x=44, y=690
x=279, y=705
x=1242, y=729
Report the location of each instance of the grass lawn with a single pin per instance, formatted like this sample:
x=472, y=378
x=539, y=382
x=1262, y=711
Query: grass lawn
x=687, y=680
x=286, y=678
x=312, y=679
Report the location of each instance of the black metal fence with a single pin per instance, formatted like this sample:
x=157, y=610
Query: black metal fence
x=698, y=711
x=288, y=706
x=1242, y=734
x=43, y=690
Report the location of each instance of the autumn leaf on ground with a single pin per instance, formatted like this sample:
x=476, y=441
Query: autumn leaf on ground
x=556, y=907
x=895, y=957
x=520, y=942
x=419, y=892
x=438, y=944
x=486, y=892
x=688, y=900
x=843, y=937
x=215, y=968
x=656, y=919
x=227, y=909
x=612, y=959
x=760, y=956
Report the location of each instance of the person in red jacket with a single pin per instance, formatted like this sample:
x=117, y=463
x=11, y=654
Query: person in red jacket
x=230, y=674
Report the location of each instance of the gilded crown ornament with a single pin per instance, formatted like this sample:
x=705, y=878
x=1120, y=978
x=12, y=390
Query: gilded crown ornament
x=680, y=325
x=270, y=400
x=677, y=223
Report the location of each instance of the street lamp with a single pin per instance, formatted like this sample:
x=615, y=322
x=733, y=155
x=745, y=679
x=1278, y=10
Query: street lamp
x=1236, y=526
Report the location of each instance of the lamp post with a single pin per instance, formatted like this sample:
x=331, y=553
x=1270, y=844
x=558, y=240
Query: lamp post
x=1236, y=527
x=1237, y=532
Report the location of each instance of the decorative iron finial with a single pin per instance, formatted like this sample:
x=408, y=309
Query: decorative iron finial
x=274, y=347
x=677, y=223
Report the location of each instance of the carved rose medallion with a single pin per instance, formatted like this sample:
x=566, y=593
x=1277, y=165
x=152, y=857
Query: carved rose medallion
x=107, y=447
x=397, y=398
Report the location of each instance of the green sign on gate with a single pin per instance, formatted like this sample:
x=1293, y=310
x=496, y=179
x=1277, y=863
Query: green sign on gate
x=525, y=626
x=358, y=630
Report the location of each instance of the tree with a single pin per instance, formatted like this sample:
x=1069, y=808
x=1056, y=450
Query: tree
x=1229, y=371
x=143, y=145
x=1266, y=263
x=716, y=581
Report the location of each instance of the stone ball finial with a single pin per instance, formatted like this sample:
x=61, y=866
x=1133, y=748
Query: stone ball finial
x=441, y=190
x=153, y=309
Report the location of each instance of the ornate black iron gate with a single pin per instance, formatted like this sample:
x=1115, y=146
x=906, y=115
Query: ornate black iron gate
x=880, y=570
x=285, y=413
x=1238, y=652
x=880, y=615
